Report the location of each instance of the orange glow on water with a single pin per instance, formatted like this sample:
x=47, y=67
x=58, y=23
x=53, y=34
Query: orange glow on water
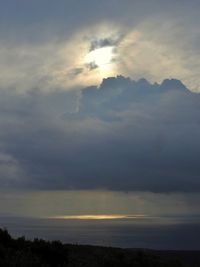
x=98, y=217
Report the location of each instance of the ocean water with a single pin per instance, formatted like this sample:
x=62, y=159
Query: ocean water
x=153, y=233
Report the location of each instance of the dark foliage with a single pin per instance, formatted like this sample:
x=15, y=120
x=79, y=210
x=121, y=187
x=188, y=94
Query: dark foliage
x=39, y=253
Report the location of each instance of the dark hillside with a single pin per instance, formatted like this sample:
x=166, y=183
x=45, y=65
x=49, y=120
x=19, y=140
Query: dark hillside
x=39, y=253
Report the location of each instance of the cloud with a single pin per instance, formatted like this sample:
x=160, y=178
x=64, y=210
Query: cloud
x=123, y=135
x=91, y=66
x=56, y=64
x=139, y=51
x=10, y=171
x=46, y=48
x=75, y=72
x=53, y=203
x=105, y=42
x=158, y=49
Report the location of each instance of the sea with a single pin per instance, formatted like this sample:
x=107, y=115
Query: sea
x=151, y=233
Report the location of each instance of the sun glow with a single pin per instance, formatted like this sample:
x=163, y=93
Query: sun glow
x=99, y=217
x=100, y=56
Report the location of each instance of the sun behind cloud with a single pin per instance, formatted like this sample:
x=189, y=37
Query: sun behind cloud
x=100, y=56
x=101, y=61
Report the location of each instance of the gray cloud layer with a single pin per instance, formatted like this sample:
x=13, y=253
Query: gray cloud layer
x=123, y=135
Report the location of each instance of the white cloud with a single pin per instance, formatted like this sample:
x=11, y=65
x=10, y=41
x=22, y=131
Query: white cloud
x=160, y=49
x=155, y=50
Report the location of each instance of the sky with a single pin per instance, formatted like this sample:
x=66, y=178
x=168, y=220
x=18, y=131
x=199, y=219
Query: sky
x=99, y=108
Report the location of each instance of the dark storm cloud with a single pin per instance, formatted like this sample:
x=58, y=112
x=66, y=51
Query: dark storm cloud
x=123, y=135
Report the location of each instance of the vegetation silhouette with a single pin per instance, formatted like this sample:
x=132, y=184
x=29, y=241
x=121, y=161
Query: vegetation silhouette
x=24, y=253
x=40, y=253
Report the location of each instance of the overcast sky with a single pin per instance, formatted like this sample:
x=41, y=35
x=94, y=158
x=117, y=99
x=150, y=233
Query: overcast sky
x=65, y=125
